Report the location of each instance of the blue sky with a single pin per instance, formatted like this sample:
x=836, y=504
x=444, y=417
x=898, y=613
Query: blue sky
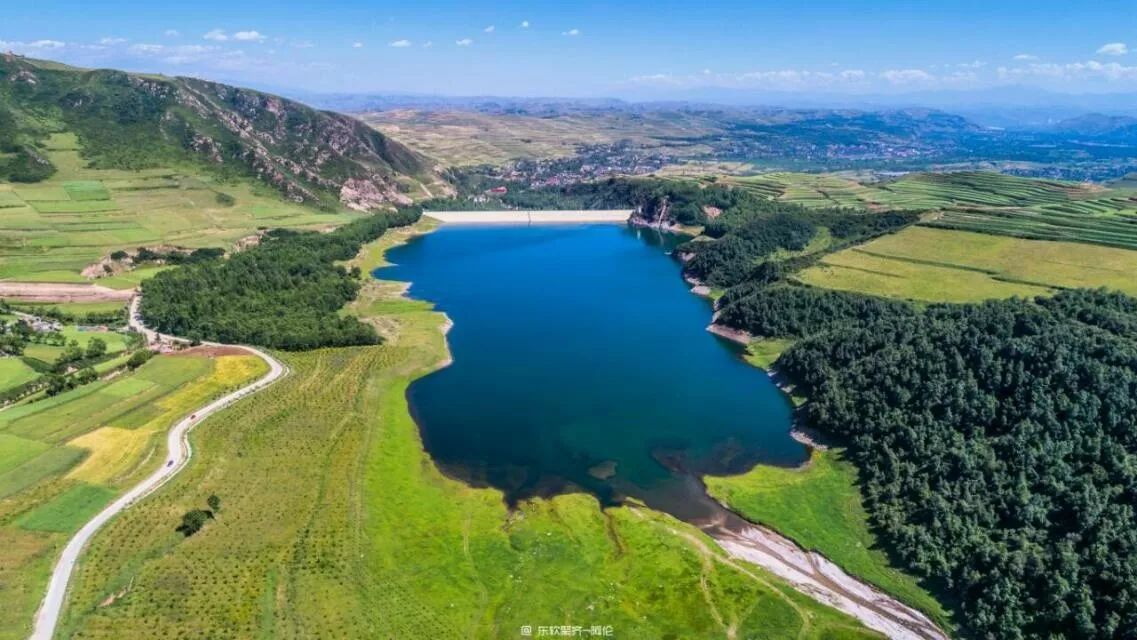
x=629, y=48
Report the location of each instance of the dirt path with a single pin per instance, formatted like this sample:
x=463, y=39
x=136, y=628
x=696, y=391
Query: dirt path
x=59, y=292
x=179, y=453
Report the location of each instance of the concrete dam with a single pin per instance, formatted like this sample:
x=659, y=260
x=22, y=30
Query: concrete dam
x=531, y=217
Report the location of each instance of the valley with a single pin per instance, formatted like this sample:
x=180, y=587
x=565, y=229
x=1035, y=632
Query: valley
x=501, y=408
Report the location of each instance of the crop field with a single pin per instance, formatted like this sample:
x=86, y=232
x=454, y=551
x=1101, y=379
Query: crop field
x=14, y=372
x=970, y=201
x=939, y=265
x=72, y=308
x=64, y=458
x=51, y=230
x=46, y=353
x=819, y=506
x=371, y=540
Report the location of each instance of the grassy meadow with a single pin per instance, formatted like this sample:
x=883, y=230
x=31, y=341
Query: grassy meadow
x=942, y=265
x=371, y=540
x=64, y=458
x=50, y=231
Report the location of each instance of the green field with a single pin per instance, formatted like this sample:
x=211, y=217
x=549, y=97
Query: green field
x=47, y=353
x=972, y=201
x=71, y=308
x=13, y=372
x=371, y=540
x=940, y=265
x=51, y=230
x=64, y=458
x=68, y=511
x=819, y=506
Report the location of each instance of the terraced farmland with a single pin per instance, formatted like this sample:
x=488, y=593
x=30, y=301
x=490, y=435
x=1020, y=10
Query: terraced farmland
x=942, y=265
x=50, y=231
x=64, y=458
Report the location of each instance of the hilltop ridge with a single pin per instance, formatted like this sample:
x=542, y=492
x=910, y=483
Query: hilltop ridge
x=137, y=121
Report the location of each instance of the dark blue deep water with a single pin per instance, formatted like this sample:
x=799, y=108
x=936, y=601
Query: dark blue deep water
x=582, y=362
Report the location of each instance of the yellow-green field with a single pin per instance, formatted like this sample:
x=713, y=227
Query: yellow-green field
x=336, y=524
x=941, y=265
x=50, y=231
x=64, y=458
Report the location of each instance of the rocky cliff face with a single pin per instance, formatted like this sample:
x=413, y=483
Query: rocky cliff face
x=129, y=121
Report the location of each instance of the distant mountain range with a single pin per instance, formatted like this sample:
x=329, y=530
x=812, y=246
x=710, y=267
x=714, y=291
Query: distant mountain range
x=134, y=121
x=1003, y=107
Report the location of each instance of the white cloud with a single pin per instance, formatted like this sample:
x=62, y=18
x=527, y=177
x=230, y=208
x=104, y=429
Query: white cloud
x=1070, y=72
x=399, y=44
x=524, y=24
x=147, y=48
x=302, y=44
x=428, y=44
x=464, y=42
x=357, y=45
x=976, y=64
x=489, y=29
x=217, y=35
x=249, y=36
x=172, y=33
x=47, y=44
x=111, y=41
x=1025, y=57
x=1113, y=49
x=571, y=32
x=906, y=76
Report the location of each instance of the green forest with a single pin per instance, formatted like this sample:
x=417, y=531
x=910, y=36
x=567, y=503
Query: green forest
x=284, y=293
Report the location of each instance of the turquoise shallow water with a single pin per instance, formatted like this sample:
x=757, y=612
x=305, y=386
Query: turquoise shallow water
x=581, y=362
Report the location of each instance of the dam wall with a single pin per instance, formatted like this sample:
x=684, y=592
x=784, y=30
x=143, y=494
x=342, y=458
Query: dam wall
x=531, y=217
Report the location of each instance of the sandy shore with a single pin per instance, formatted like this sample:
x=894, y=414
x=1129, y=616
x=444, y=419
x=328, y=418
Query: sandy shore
x=816, y=576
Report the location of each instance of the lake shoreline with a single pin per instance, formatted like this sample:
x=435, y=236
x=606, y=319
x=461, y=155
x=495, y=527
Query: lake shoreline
x=806, y=571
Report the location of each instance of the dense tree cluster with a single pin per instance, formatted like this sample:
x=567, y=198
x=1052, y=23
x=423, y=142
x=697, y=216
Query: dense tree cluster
x=731, y=258
x=998, y=449
x=748, y=237
x=785, y=311
x=283, y=293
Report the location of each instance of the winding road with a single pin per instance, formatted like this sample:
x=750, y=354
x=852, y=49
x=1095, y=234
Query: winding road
x=179, y=452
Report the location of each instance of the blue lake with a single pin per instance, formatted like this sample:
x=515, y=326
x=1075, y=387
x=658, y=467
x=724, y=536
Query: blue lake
x=582, y=363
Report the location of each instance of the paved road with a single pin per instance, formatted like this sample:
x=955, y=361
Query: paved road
x=178, y=446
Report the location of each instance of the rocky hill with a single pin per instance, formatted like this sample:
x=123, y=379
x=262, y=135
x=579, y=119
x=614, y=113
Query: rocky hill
x=133, y=121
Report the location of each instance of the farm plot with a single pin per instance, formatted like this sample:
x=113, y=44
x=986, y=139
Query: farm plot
x=64, y=458
x=50, y=231
x=941, y=265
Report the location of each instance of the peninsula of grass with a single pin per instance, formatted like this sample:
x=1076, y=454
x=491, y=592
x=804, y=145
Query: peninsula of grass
x=819, y=506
